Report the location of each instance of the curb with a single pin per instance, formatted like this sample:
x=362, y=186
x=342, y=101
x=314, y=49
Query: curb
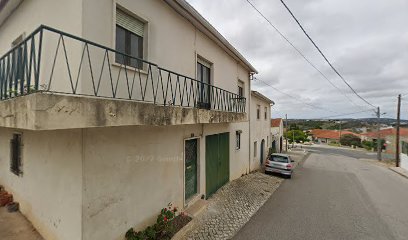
x=304, y=159
x=403, y=175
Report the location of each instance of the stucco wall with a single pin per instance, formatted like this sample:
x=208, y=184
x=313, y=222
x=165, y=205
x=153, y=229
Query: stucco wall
x=49, y=191
x=172, y=43
x=260, y=130
x=130, y=173
x=63, y=15
x=404, y=161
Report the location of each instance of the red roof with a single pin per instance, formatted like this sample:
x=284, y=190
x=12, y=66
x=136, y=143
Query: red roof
x=330, y=134
x=276, y=122
x=387, y=132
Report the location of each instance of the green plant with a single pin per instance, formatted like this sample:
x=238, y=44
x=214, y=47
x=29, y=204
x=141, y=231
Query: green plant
x=162, y=229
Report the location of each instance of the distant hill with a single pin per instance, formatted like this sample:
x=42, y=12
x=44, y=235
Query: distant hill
x=355, y=125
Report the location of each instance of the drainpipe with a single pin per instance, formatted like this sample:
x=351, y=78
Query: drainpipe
x=249, y=121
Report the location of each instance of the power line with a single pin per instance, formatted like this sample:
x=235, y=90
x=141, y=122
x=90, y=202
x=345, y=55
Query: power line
x=293, y=97
x=346, y=114
x=325, y=58
x=301, y=54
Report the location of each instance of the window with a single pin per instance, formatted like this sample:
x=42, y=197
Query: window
x=204, y=76
x=240, y=89
x=255, y=148
x=15, y=154
x=258, y=112
x=129, y=39
x=238, y=139
x=266, y=113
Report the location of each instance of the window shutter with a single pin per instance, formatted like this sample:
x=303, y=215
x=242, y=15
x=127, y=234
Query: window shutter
x=129, y=23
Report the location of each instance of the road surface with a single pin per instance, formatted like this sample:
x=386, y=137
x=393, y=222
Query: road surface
x=335, y=194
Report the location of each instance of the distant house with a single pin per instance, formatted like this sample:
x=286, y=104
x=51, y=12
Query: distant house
x=259, y=128
x=323, y=136
x=388, y=135
x=277, y=134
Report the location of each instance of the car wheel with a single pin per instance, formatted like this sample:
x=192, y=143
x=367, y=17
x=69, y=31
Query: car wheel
x=266, y=172
x=290, y=176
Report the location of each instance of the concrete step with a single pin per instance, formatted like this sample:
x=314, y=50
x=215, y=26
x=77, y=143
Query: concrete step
x=195, y=209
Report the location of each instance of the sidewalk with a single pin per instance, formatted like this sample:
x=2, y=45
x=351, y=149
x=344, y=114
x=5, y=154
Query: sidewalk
x=14, y=226
x=400, y=171
x=233, y=205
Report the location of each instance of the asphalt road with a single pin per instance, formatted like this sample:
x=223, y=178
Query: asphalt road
x=335, y=194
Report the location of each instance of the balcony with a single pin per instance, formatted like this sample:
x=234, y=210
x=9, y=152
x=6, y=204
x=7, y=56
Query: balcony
x=55, y=80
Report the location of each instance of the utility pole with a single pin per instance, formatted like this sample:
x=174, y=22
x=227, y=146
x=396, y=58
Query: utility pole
x=286, y=138
x=293, y=139
x=379, y=147
x=397, y=138
x=340, y=133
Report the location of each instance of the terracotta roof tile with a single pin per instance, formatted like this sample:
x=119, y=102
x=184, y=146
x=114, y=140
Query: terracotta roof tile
x=276, y=122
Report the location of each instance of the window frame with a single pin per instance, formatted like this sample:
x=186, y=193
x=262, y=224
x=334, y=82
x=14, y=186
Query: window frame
x=266, y=113
x=238, y=140
x=16, y=150
x=255, y=149
x=145, y=45
x=258, y=112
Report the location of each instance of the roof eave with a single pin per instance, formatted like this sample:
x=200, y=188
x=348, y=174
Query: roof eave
x=195, y=18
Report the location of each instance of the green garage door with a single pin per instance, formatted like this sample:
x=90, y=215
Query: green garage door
x=216, y=161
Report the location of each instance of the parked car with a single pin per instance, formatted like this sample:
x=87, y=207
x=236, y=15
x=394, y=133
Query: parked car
x=279, y=163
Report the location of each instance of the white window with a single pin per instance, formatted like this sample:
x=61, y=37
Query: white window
x=129, y=39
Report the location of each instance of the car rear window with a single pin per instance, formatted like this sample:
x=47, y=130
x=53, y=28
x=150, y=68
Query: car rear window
x=279, y=159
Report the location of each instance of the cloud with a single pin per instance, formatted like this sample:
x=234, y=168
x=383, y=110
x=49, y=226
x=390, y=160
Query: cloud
x=366, y=40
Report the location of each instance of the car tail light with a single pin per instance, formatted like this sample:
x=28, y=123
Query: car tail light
x=267, y=161
x=289, y=166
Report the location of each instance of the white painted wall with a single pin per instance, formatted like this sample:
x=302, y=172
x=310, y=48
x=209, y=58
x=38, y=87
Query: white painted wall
x=260, y=130
x=404, y=161
x=49, y=191
x=63, y=15
x=130, y=173
x=277, y=133
x=172, y=42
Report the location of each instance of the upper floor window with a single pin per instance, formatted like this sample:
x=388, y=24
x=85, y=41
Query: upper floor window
x=266, y=113
x=240, y=89
x=258, y=112
x=129, y=39
x=204, y=77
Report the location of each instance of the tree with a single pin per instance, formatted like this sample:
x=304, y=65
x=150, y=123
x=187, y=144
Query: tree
x=298, y=135
x=350, y=140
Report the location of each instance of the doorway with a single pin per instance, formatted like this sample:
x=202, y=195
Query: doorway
x=190, y=168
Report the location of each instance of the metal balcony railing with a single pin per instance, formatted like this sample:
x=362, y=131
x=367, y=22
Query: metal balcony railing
x=49, y=60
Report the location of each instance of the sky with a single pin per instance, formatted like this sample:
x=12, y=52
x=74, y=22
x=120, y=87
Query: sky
x=365, y=40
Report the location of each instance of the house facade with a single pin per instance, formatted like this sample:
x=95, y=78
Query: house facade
x=277, y=134
x=259, y=127
x=111, y=109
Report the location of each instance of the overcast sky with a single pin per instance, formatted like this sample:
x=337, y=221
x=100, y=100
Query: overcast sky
x=366, y=40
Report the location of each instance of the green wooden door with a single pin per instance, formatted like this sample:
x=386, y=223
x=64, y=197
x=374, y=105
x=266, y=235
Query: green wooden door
x=217, y=162
x=190, y=168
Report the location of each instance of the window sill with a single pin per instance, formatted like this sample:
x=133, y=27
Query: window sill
x=129, y=68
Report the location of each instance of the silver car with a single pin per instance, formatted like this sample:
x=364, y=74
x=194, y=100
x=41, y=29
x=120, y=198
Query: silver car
x=279, y=163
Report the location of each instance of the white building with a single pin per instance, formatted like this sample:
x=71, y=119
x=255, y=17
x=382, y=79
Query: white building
x=277, y=134
x=93, y=139
x=259, y=127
